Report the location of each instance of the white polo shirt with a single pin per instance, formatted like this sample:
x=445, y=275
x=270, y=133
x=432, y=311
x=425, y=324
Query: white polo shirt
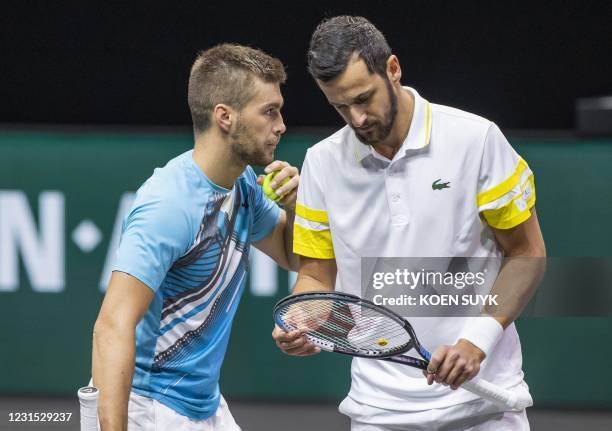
x=453, y=177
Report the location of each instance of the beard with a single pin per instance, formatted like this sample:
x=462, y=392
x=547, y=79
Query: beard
x=380, y=132
x=245, y=150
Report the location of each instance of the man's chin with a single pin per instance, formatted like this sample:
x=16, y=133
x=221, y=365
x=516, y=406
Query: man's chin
x=366, y=140
x=263, y=160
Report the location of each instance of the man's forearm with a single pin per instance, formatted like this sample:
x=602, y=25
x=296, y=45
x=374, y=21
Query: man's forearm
x=292, y=258
x=516, y=283
x=309, y=284
x=113, y=368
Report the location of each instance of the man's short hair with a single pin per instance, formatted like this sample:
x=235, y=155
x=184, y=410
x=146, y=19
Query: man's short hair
x=224, y=74
x=336, y=40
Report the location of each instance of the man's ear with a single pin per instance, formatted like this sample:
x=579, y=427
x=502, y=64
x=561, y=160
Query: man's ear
x=223, y=116
x=394, y=70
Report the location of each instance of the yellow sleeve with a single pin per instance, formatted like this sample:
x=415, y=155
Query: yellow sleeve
x=506, y=188
x=311, y=233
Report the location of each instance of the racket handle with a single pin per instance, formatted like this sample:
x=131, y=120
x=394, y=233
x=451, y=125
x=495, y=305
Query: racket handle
x=88, y=398
x=504, y=397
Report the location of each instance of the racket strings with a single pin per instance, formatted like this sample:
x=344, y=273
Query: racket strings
x=350, y=327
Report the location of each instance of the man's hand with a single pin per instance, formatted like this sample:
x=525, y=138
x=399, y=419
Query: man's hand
x=279, y=243
x=293, y=343
x=454, y=365
x=288, y=191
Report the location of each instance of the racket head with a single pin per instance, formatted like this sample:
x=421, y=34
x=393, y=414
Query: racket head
x=346, y=324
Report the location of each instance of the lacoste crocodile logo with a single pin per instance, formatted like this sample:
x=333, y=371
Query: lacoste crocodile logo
x=437, y=185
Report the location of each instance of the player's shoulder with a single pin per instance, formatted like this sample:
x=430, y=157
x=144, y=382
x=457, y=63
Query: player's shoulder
x=450, y=114
x=330, y=147
x=463, y=126
x=169, y=186
x=172, y=171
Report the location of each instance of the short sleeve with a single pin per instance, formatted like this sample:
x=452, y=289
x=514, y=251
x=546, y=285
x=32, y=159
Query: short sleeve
x=506, y=188
x=311, y=233
x=155, y=234
x=266, y=213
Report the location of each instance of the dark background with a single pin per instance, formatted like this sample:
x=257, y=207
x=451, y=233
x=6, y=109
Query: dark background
x=521, y=64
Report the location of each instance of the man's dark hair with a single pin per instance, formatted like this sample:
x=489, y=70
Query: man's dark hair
x=336, y=40
x=224, y=74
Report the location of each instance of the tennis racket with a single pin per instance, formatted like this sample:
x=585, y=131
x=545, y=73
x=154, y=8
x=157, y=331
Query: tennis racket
x=347, y=324
x=88, y=398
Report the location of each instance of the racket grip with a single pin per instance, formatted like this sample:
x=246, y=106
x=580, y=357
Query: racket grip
x=88, y=398
x=504, y=397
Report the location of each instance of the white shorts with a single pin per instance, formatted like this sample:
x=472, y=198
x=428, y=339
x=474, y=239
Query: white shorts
x=477, y=415
x=147, y=414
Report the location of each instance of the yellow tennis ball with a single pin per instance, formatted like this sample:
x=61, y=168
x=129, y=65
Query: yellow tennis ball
x=382, y=342
x=268, y=190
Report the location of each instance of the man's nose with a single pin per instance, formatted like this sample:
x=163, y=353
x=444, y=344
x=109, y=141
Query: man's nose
x=358, y=117
x=280, y=127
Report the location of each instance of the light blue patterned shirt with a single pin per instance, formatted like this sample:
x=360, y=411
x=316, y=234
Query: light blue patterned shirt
x=188, y=239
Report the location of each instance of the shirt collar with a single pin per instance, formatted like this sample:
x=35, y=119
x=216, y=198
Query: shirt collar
x=418, y=136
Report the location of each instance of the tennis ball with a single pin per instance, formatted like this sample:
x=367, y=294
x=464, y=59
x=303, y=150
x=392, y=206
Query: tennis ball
x=382, y=342
x=268, y=190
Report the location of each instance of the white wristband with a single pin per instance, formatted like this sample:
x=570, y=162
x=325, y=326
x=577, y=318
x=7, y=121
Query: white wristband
x=484, y=332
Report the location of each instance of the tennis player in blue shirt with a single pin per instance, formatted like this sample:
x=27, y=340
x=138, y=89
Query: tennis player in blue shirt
x=180, y=269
